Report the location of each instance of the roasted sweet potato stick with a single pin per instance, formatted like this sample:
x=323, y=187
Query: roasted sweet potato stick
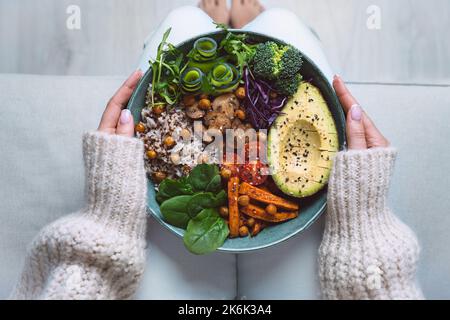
x=258, y=227
x=267, y=197
x=233, y=209
x=261, y=214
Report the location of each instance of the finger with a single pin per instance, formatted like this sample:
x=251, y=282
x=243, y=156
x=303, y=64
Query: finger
x=355, y=129
x=125, y=126
x=344, y=95
x=374, y=137
x=119, y=101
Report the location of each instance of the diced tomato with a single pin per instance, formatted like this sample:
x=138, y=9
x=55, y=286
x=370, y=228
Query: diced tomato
x=254, y=173
x=257, y=149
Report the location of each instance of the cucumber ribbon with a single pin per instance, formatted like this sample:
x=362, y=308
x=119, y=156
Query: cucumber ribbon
x=207, y=72
x=205, y=49
x=222, y=78
x=192, y=80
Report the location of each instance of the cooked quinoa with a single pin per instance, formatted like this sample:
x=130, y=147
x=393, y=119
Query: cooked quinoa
x=187, y=153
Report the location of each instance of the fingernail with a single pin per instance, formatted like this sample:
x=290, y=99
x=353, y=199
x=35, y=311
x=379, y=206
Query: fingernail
x=356, y=112
x=125, y=116
x=337, y=77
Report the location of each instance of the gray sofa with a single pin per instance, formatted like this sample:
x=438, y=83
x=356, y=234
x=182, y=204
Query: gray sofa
x=41, y=179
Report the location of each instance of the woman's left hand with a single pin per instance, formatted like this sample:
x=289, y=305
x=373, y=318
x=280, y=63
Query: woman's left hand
x=116, y=119
x=361, y=131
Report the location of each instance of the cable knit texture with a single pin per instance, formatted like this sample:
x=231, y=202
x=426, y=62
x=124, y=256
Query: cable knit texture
x=366, y=252
x=97, y=253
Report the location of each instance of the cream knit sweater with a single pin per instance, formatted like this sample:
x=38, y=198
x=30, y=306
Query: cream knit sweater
x=366, y=251
x=98, y=253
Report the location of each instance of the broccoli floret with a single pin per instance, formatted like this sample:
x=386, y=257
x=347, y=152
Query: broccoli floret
x=291, y=63
x=264, y=62
x=288, y=86
x=272, y=61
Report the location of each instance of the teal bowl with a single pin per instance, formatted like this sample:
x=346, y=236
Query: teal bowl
x=311, y=208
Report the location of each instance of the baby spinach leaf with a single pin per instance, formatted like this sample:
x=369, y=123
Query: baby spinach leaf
x=215, y=184
x=174, y=211
x=221, y=198
x=206, y=232
x=205, y=200
x=171, y=188
x=202, y=175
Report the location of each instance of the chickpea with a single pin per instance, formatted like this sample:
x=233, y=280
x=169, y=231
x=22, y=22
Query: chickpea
x=203, y=158
x=224, y=212
x=151, y=154
x=169, y=142
x=241, y=223
x=204, y=96
x=240, y=93
x=243, y=231
x=244, y=201
x=189, y=101
x=271, y=209
x=273, y=95
x=226, y=173
x=251, y=222
x=186, y=134
x=140, y=127
x=159, y=177
x=158, y=110
x=175, y=158
x=205, y=104
x=240, y=114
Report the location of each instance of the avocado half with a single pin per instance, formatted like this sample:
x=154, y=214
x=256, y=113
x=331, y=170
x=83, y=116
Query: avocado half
x=302, y=144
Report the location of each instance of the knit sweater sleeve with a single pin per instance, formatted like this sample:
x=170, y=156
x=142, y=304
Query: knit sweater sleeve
x=98, y=252
x=366, y=252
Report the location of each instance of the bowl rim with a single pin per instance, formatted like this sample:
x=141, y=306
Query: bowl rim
x=319, y=212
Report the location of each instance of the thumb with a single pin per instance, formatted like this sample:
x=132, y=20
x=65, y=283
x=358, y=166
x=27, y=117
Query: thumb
x=355, y=129
x=125, y=127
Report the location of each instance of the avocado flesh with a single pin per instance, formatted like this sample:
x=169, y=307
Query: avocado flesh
x=303, y=142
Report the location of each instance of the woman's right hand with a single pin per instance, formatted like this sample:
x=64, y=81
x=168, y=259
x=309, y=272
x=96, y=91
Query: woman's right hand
x=361, y=131
x=117, y=119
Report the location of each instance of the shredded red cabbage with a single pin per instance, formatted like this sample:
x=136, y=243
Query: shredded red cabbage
x=262, y=110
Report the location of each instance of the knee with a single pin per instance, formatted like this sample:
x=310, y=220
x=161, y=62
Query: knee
x=281, y=14
x=181, y=13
